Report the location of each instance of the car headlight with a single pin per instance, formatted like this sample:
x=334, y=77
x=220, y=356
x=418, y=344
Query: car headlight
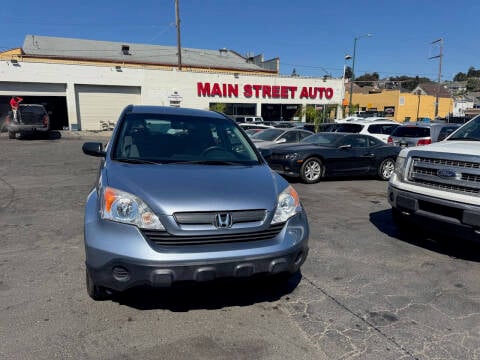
x=400, y=166
x=288, y=205
x=126, y=208
x=291, y=156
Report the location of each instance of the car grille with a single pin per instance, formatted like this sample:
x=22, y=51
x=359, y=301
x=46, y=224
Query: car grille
x=464, y=175
x=201, y=218
x=160, y=238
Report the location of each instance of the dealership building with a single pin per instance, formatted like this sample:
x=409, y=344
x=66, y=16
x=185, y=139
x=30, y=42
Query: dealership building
x=83, y=83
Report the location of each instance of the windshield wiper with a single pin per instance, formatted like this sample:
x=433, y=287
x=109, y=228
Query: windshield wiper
x=207, y=162
x=137, y=161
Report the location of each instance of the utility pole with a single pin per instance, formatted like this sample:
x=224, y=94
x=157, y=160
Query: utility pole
x=350, y=107
x=179, y=47
x=439, y=56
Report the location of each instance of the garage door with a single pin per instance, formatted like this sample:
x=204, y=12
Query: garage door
x=103, y=103
x=31, y=89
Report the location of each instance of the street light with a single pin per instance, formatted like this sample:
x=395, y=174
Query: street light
x=353, y=68
x=347, y=57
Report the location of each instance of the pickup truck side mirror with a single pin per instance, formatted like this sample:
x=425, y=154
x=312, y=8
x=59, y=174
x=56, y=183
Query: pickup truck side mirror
x=93, y=149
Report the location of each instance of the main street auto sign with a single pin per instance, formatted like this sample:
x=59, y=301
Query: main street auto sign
x=206, y=89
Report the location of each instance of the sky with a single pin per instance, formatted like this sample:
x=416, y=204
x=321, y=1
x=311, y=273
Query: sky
x=310, y=36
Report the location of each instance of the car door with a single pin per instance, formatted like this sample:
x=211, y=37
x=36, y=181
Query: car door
x=354, y=156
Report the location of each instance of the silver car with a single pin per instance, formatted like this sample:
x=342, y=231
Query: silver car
x=267, y=138
x=183, y=194
x=418, y=134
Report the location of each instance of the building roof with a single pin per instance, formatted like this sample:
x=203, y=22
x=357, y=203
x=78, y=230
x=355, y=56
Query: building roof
x=124, y=52
x=431, y=89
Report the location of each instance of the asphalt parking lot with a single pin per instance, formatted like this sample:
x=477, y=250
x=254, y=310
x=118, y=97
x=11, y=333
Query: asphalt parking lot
x=366, y=291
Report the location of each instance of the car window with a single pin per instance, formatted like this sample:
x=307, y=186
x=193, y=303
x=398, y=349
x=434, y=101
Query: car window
x=178, y=138
x=356, y=141
x=268, y=134
x=411, y=131
x=374, y=142
x=290, y=136
x=470, y=130
x=446, y=131
x=303, y=134
x=349, y=128
x=324, y=139
x=385, y=129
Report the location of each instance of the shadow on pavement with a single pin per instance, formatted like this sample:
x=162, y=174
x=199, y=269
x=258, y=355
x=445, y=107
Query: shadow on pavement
x=213, y=295
x=51, y=135
x=443, y=244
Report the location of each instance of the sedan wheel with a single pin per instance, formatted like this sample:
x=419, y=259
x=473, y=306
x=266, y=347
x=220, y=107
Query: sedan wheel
x=386, y=168
x=311, y=171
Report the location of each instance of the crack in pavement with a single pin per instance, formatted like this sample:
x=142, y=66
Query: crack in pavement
x=365, y=321
x=12, y=193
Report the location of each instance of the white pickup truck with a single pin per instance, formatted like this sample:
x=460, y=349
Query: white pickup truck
x=438, y=186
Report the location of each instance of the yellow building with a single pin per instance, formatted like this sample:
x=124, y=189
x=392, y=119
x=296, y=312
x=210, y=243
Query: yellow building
x=402, y=106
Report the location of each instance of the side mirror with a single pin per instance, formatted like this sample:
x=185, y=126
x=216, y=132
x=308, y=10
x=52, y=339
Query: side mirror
x=281, y=141
x=345, y=147
x=93, y=149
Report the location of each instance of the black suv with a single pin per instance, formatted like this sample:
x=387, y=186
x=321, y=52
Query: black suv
x=29, y=118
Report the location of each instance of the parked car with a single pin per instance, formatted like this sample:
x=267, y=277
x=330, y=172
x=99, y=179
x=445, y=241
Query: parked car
x=29, y=118
x=417, y=134
x=334, y=154
x=269, y=137
x=248, y=126
x=247, y=119
x=435, y=188
x=171, y=204
x=379, y=129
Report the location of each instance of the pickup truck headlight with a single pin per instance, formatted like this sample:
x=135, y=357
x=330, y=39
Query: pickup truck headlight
x=288, y=205
x=126, y=208
x=400, y=166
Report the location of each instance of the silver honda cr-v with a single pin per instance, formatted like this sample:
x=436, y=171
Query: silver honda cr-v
x=183, y=194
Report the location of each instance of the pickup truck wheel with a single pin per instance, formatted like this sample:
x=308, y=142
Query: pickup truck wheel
x=11, y=135
x=312, y=170
x=96, y=292
x=386, y=168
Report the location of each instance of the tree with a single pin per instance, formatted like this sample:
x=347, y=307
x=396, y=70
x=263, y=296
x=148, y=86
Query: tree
x=472, y=72
x=460, y=77
x=473, y=84
x=367, y=79
x=218, y=107
x=348, y=72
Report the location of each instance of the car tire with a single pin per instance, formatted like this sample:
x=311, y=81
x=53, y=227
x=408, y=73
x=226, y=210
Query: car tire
x=11, y=135
x=312, y=170
x=96, y=292
x=386, y=168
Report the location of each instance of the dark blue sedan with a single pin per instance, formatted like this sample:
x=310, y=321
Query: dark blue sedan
x=334, y=154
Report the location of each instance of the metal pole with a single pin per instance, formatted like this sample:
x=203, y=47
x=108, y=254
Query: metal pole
x=179, y=47
x=353, y=76
x=440, y=56
x=418, y=104
x=353, y=69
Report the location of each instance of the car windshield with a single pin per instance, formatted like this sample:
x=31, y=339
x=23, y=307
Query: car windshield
x=268, y=135
x=469, y=131
x=324, y=139
x=411, y=131
x=162, y=139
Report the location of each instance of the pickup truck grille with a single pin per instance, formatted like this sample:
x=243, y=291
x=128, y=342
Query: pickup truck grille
x=457, y=175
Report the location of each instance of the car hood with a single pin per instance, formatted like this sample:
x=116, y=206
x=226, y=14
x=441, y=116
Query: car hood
x=454, y=146
x=182, y=187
